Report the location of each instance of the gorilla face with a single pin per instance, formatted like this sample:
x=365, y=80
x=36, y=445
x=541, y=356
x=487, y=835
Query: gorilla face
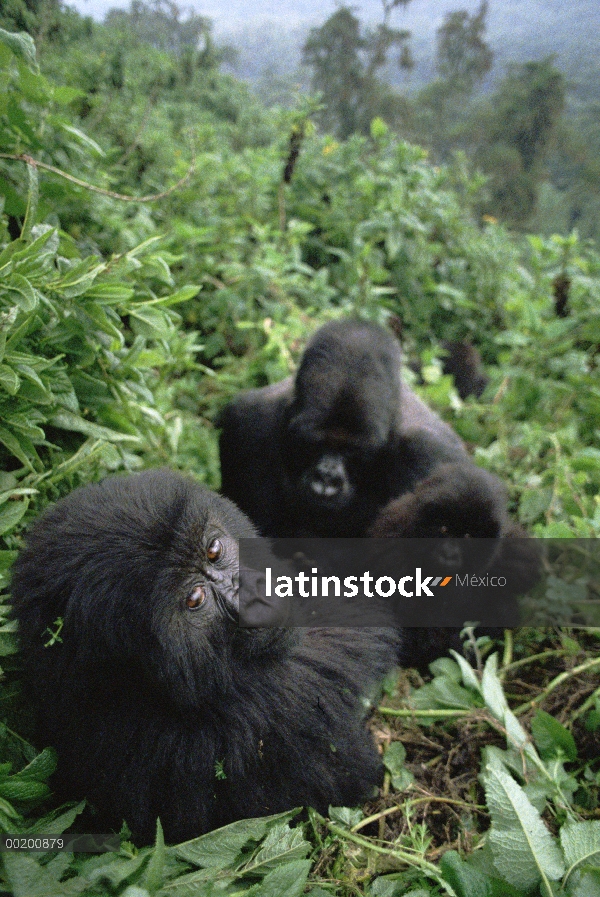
x=156, y=549
x=454, y=502
x=343, y=416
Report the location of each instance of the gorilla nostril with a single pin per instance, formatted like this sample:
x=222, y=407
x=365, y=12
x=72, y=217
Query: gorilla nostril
x=326, y=487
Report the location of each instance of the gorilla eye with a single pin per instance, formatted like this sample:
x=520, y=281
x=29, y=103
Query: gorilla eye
x=215, y=550
x=196, y=598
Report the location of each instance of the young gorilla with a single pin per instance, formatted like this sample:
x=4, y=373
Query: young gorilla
x=152, y=688
x=433, y=510
x=324, y=453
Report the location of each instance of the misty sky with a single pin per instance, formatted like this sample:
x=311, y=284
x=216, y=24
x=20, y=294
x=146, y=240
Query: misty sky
x=230, y=14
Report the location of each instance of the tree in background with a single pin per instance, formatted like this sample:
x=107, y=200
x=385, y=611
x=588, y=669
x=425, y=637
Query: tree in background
x=346, y=60
x=40, y=18
x=164, y=25
x=463, y=56
x=517, y=128
x=463, y=59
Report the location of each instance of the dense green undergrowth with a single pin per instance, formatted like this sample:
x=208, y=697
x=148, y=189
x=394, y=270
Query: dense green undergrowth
x=125, y=326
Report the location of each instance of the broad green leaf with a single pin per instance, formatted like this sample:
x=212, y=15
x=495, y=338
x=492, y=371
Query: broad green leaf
x=221, y=848
x=444, y=666
x=469, y=676
x=65, y=95
x=9, y=379
x=449, y=693
x=15, y=447
x=65, y=420
x=525, y=852
x=466, y=881
x=26, y=296
x=150, y=321
x=346, y=816
x=281, y=845
x=28, y=879
x=115, y=870
x=551, y=738
x=284, y=881
x=11, y=513
x=22, y=45
x=201, y=884
x=587, y=886
x=15, y=789
x=41, y=767
x=580, y=842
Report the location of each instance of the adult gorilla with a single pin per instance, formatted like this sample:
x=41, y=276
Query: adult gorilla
x=157, y=702
x=323, y=453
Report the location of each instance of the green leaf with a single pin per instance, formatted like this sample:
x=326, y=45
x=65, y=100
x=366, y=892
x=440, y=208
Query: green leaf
x=110, y=292
x=56, y=824
x=469, y=676
x=525, y=852
x=22, y=46
x=190, y=291
x=580, y=842
x=449, y=693
x=65, y=420
x=346, y=816
x=41, y=767
x=115, y=870
x=221, y=848
x=495, y=700
x=65, y=95
x=84, y=139
x=393, y=760
x=28, y=879
x=551, y=738
x=15, y=447
x=148, y=321
x=7, y=559
x=14, y=789
x=587, y=886
x=282, y=844
x=154, y=874
x=11, y=514
x=466, y=881
x=27, y=298
x=444, y=666
x=284, y=881
x=9, y=380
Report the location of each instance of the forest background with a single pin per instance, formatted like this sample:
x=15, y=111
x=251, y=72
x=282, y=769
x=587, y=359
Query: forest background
x=169, y=237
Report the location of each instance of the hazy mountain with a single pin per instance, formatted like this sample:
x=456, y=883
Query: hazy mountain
x=269, y=34
x=517, y=30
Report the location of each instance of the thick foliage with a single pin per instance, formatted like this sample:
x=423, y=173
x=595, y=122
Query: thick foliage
x=109, y=360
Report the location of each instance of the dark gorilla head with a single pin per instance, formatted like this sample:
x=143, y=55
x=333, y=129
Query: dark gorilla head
x=150, y=686
x=344, y=413
x=154, y=548
x=455, y=501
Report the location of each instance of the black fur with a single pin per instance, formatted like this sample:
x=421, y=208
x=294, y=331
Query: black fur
x=463, y=361
x=448, y=506
x=346, y=426
x=160, y=710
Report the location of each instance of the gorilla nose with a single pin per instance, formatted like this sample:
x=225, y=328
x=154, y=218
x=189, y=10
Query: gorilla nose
x=330, y=476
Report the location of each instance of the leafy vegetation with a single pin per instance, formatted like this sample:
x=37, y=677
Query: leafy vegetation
x=125, y=324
